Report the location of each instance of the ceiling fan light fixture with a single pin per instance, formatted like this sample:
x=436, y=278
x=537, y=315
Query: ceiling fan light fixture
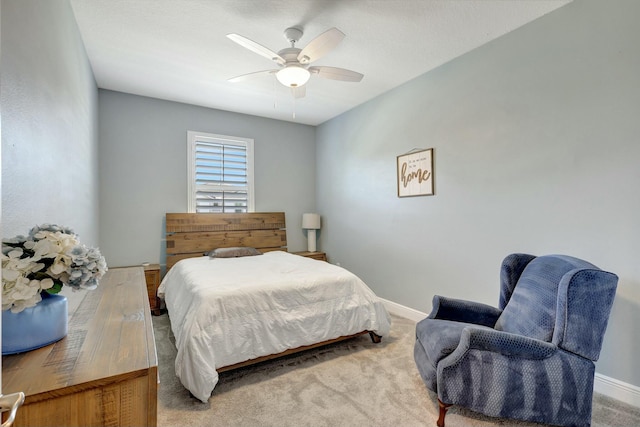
x=293, y=76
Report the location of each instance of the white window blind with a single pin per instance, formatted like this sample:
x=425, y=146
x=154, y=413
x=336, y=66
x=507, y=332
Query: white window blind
x=220, y=173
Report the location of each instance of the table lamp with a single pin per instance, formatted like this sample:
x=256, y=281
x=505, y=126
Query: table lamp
x=311, y=222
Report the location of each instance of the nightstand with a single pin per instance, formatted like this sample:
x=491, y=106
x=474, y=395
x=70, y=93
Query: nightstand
x=152, y=277
x=321, y=256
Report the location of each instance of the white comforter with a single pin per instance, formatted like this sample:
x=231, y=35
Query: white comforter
x=226, y=311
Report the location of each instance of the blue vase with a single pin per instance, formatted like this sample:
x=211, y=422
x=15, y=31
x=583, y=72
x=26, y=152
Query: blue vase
x=35, y=327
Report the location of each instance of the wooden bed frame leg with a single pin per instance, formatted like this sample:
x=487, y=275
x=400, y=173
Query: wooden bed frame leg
x=443, y=412
x=375, y=337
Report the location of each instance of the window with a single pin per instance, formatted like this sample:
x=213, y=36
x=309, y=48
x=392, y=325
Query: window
x=220, y=172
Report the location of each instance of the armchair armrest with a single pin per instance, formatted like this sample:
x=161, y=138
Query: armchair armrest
x=464, y=311
x=504, y=343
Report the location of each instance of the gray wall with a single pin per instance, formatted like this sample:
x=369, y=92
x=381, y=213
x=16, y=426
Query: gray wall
x=143, y=170
x=49, y=121
x=536, y=150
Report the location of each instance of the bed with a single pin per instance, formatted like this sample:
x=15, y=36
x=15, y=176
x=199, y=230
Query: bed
x=226, y=313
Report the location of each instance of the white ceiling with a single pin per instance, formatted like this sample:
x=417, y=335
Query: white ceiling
x=178, y=49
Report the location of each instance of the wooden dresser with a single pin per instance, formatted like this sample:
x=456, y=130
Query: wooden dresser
x=104, y=372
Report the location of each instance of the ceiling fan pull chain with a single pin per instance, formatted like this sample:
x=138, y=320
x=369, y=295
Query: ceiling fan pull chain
x=275, y=95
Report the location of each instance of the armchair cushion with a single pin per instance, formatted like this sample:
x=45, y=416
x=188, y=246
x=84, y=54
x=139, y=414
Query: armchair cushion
x=531, y=310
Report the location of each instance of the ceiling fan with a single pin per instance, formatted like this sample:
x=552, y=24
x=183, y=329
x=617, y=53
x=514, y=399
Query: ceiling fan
x=294, y=70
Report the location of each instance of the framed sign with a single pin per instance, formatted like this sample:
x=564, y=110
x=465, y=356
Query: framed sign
x=415, y=173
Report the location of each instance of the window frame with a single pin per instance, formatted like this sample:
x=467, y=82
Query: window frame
x=193, y=137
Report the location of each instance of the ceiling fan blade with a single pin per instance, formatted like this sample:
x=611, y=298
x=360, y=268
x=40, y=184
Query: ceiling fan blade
x=256, y=48
x=335, y=73
x=321, y=45
x=299, y=91
x=244, y=77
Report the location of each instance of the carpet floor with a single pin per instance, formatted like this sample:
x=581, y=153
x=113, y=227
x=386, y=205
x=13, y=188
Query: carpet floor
x=353, y=383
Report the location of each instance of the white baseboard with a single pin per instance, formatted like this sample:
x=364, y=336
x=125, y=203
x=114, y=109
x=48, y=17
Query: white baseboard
x=403, y=311
x=616, y=389
x=610, y=387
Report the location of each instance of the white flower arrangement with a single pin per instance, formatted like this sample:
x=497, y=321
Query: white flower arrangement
x=48, y=258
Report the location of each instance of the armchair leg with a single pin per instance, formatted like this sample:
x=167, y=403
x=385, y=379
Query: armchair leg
x=443, y=412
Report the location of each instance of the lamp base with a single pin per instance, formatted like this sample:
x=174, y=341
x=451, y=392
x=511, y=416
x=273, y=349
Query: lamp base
x=311, y=240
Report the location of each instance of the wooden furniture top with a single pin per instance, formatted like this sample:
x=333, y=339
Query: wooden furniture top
x=194, y=234
x=151, y=267
x=321, y=256
x=145, y=267
x=110, y=339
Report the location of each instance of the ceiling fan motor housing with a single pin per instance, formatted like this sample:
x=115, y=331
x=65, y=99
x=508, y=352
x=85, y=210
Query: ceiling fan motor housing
x=293, y=34
x=290, y=55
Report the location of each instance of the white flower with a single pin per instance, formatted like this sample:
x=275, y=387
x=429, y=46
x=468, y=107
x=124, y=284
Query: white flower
x=51, y=256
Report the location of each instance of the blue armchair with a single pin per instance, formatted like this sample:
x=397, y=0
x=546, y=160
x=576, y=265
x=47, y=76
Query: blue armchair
x=532, y=358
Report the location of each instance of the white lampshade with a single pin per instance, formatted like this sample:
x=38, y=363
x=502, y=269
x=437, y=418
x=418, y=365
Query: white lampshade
x=293, y=76
x=311, y=221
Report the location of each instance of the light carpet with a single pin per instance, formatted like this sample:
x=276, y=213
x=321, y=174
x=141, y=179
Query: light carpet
x=353, y=383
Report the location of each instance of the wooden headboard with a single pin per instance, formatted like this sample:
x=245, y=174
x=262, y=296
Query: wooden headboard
x=194, y=234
